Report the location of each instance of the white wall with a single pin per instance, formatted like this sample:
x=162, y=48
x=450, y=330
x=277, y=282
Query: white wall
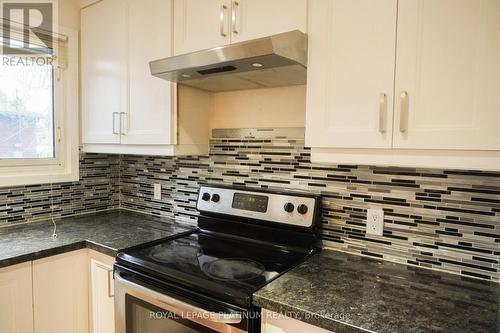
x=271, y=107
x=69, y=14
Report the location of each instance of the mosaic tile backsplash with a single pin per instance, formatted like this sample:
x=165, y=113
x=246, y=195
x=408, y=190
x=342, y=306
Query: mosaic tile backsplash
x=442, y=219
x=96, y=190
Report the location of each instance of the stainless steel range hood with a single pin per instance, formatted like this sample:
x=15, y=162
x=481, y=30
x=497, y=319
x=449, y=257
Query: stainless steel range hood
x=274, y=61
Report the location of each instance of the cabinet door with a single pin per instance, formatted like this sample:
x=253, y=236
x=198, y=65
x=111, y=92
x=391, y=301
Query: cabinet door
x=102, y=294
x=200, y=24
x=273, y=322
x=60, y=293
x=448, y=75
x=150, y=110
x=16, y=307
x=252, y=19
x=103, y=70
x=350, y=73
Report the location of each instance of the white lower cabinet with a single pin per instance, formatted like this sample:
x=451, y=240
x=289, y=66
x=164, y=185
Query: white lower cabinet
x=60, y=293
x=66, y=293
x=102, y=307
x=273, y=322
x=16, y=308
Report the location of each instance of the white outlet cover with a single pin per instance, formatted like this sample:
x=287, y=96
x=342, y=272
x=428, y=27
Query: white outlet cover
x=157, y=191
x=375, y=222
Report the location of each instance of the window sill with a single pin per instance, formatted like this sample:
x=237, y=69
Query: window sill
x=33, y=175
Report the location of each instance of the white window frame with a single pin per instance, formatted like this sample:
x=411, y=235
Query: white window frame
x=65, y=166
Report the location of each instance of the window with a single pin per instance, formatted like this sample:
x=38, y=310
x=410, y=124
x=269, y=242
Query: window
x=26, y=110
x=39, y=112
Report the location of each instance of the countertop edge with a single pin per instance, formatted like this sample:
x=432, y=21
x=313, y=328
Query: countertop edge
x=44, y=253
x=91, y=245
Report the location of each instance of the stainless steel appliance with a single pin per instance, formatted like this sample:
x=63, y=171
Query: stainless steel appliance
x=278, y=60
x=203, y=281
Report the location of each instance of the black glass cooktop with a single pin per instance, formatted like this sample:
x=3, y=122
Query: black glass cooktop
x=232, y=269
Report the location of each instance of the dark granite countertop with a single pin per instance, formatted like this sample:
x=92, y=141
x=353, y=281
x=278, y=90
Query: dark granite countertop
x=107, y=232
x=346, y=293
x=332, y=290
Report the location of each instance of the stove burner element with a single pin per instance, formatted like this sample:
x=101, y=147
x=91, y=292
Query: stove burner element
x=233, y=269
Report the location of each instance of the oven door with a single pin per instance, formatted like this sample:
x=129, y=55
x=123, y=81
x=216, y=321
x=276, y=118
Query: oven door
x=141, y=309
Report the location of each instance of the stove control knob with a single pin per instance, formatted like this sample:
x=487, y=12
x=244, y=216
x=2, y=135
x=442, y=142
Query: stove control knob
x=302, y=209
x=289, y=207
x=205, y=196
x=215, y=197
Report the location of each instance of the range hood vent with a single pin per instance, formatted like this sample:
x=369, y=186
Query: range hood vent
x=275, y=61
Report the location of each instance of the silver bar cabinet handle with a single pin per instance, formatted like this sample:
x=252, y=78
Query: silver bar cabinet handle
x=403, y=112
x=382, y=113
x=122, y=127
x=114, y=123
x=222, y=19
x=226, y=318
x=234, y=7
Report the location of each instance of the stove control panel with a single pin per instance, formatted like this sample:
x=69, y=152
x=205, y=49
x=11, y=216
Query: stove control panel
x=292, y=209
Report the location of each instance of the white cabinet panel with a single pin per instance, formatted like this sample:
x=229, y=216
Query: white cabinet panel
x=60, y=293
x=201, y=24
x=204, y=24
x=103, y=70
x=16, y=307
x=102, y=293
x=273, y=322
x=446, y=108
x=448, y=63
x=350, y=73
x=149, y=119
x=252, y=19
x=124, y=108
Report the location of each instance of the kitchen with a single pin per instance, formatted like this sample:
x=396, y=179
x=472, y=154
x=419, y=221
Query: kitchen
x=250, y=166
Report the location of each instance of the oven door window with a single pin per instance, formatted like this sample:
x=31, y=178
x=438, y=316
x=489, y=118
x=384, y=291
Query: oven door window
x=143, y=317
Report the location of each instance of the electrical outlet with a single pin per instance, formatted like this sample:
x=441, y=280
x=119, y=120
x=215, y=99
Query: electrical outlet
x=375, y=222
x=157, y=191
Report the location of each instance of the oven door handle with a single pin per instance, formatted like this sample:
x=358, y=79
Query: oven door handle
x=226, y=318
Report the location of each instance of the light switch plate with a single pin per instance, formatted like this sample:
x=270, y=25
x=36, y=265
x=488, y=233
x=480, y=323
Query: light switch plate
x=157, y=191
x=375, y=222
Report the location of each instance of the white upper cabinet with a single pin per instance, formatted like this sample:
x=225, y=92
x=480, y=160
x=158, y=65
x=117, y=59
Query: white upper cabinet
x=252, y=19
x=448, y=67
x=351, y=73
x=200, y=24
x=125, y=109
x=103, y=70
x=404, y=83
x=203, y=24
x=122, y=102
x=149, y=118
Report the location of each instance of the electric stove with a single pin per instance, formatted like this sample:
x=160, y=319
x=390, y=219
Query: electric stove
x=246, y=238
